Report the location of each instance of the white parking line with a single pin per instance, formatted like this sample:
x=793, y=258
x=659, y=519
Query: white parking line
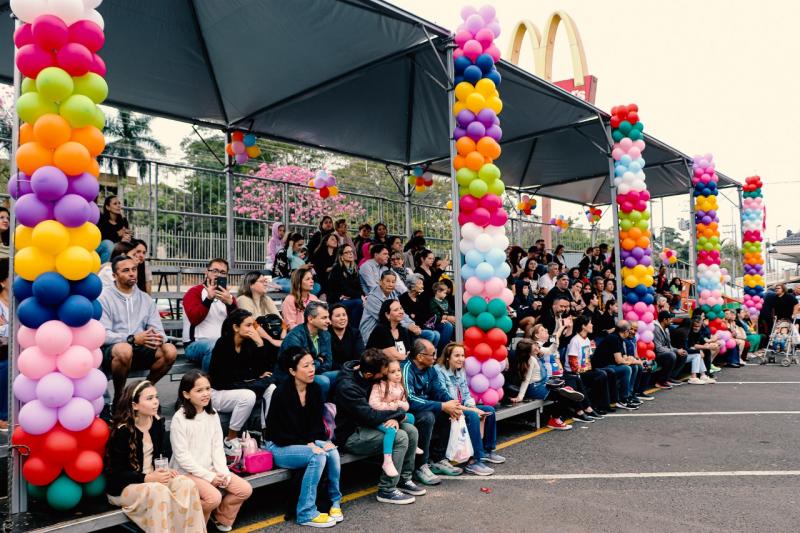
x=757, y=382
x=704, y=413
x=628, y=475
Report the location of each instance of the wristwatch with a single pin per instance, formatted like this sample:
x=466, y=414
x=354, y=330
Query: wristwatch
x=131, y=340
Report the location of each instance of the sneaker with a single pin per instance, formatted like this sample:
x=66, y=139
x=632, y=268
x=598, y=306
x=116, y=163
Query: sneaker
x=665, y=386
x=583, y=417
x=595, y=415
x=708, y=379
x=411, y=488
x=609, y=410
x=336, y=514
x=676, y=383
x=633, y=400
x=643, y=396
x=570, y=394
x=557, y=424
x=444, y=468
x=322, y=520
x=696, y=381
x=221, y=527
x=627, y=406
x=425, y=476
x=232, y=448
x=493, y=457
x=479, y=469
x=715, y=368
x=393, y=496
x=742, y=362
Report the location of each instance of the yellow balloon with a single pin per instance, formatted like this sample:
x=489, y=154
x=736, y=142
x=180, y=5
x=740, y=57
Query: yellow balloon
x=22, y=237
x=333, y=190
x=95, y=262
x=420, y=188
x=475, y=102
x=485, y=86
x=86, y=236
x=31, y=261
x=463, y=90
x=639, y=271
x=51, y=236
x=495, y=104
x=75, y=263
x=458, y=107
x=631, y=282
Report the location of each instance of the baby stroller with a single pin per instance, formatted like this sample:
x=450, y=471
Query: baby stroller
x=783, y=343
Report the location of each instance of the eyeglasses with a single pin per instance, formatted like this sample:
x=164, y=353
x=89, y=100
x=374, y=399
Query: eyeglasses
x=217, y=271
x=428, y=354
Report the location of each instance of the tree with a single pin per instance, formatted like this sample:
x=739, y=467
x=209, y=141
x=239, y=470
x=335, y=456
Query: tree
x=132, y=139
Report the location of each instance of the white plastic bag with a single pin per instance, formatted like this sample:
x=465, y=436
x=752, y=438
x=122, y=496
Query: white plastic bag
x=459, y=446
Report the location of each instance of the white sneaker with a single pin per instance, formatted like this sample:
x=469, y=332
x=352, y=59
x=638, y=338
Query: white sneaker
x=232, y=448
x=708, y=379
x=696, y=381
x=742, y=362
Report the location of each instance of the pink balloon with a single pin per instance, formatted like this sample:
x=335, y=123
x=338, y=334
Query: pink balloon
x=485, y=37
x=631, y=316
x=26, y=337
x=97, y=358
x=31, y=59
x=494, y=52
x=75, y=362
x=494, y=287
x=472, y=49
x=35, y=364
x=53, y=337
x=76, y=415
x=474, y=285
x=458, y=52
x=498, y=218
x=92, y=335
x=462, y=37
x=74, y=58
x=490, y=397
x=507, y=296
x=50, y=32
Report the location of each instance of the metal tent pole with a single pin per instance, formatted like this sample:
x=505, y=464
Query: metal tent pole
x=457, y=281
x=407, y=206
x=230, y=223
x=693, y=242
x=617, y=251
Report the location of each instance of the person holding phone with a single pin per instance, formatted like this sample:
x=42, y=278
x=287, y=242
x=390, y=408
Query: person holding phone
x=205, y=307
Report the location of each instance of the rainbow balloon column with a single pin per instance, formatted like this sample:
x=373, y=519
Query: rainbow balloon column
x=634, y=225
x=59, y=385
x=709, y=274
x=482, y=217
x=752, y=224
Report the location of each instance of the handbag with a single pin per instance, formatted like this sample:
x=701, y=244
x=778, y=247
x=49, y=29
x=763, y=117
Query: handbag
x=459, y=446
x=253, y=460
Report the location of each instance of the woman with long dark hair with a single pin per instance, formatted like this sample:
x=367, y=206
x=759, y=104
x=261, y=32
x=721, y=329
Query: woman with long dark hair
x=323, y=259
x=344, y=284
x=113, y=227
x=381, y=234
x=5, y=232
x=389, y=336
x=558, y=257
x=253, y=297
x=300, y=294
x=325, y=228
x=144, y=276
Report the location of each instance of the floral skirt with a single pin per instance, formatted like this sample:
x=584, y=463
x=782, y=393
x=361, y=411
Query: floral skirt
x=155, y=507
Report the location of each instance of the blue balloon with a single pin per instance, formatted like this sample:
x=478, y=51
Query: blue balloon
x=89, y=287
x=648, y=299
x=485, y=63
x=503, y=271
x=631, y=297
x=494, y=75
x=484, y=271
x=473, y=258
x=458, y=79
x=249, y=140
x=467, y=271
x=76, y=311
x=33, y=314
x=461, y=63
x=22, y=289
x=98, y=310
x=495, y=257
x=641, y=290
x=472, y=74
x=51, y=289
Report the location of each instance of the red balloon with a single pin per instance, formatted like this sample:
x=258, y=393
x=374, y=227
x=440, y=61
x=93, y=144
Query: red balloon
x=324, y=192
x=86, y=466
x=60, y=445
x=650, y=355
x=615, y=121
x=496, y=338
x=94, y=437
x=483, y=352
x=75, y=59
x=39, y=472
x=21, y=438
x=473, y=335
x=500, y=353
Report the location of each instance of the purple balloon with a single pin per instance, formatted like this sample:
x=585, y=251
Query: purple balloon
x=24, y=388
x=479, y=383
x=706, y=220
x=76, y=415
x=646, y=261
x=486, y=116
x=98, y=404
x=19, y=184
x=36, y=418
x=497, y=381
x=624, y=254
x=495, y=132
x=91, y=385
x=54, y=390
x=242, y=158
x=476, y=130
x=637, y=252
x=30, y=210
x=72, y=210
x=464, y=117
x=49, y=183
x=631, y=262
x=94, y=213
x=712, y=213
x=471, y=366
x=459, y=132
x=491, y=368
x=85, y=186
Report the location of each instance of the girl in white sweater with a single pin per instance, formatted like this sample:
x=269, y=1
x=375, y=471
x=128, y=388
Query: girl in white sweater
x=196, y=439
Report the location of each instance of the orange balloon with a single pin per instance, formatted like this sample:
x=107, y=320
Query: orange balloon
x=94, y=168
x=635, y=233
x=628, y=244
x=623, y=235
x=33, y=155
x=229, y=150
x=26, y=133
x=643, y=242
x=646, y=233
x=489, y=148
x=51, y=130
x=459, y=162
x=72, y=158
x=708, y=233
x=474, y=161
x=465, y=145
x=91, y=137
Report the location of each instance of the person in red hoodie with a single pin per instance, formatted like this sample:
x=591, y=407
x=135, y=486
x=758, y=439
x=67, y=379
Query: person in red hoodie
x=205, y=307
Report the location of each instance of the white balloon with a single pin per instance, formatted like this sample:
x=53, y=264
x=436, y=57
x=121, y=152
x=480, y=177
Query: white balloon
x=623, y=188
x=628, y=177
x=466, y=245
x=483, y=242
x=470, y=231
x=28, y=10
x=95, y=17
x=92, y=4
x=638, y=185
x=501, y=243
x=495, y=231
x=69, y=11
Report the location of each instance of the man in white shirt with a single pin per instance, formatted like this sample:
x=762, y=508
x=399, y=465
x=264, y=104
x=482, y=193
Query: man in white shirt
x=548, y=281
x=370, y=272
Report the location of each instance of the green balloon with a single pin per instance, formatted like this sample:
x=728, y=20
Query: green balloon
x=36, y=491
x=78, y=110
x=64, y=494
x=625, y=127
x=643, y=224
x=702, y=241
x=711, y=315
x=33, y=105
x=28, y=85
x=91, y=85
x=464, y=176
x=485, y=321
x=476, y=305
x=497, y=187
x=497, y=307
x=489, y=172
x=636, y=216
x=617, y=135
x=709, y=246
x=714, y=239
x=504, y=323
x=635, y=135
x=478, y=188
x=95, y=488
x=463, y=191
x=467, y=320
x=99, y=120
x=54, y=84
x=625, y=225
x=646, y=215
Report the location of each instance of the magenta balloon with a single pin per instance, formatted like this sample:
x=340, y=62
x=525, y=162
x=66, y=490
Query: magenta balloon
x=98, y=65
x=24, y=388
x=49, y=32
x=480, y=217
x=19, y=185
x=91, y=385
x=85, y=186
x=498, y=218
x=32, y=59
x=495, y=132
x=491, y=396
x=31, y=210
x=72, y=211
x=76, y=415
x=468, y=203
x=94, y=213
x=491, y=202
x=74, y=58
x=49, y=183
x=23, y=36
x=36, y=418
x=54, y=390
x=88, y=34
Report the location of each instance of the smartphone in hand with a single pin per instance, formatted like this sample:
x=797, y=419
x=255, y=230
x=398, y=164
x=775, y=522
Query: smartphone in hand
x=222, y=282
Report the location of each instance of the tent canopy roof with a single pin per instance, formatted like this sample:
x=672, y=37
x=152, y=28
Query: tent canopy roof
x=360, y=77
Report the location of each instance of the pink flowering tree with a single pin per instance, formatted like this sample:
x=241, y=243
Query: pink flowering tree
x=259, y=199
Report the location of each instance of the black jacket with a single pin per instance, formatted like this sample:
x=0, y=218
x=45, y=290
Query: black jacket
x=231, y=370
x=119, y=471
x=348, y=348
x=289, y=422
x=352, y=404
x=341, y=283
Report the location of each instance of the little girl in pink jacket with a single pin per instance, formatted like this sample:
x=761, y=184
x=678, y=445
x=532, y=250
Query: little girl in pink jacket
x=390, y=395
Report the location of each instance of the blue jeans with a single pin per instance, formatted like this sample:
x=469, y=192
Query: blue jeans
x=284, y=283
x=624, y=382
x=430, y=335
x=199, y=352
x=355, y=310
x=299, y=456
x=445, y=330
x=489, y=440
x=104, y=250
x=325, y=380
x=390, y=433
